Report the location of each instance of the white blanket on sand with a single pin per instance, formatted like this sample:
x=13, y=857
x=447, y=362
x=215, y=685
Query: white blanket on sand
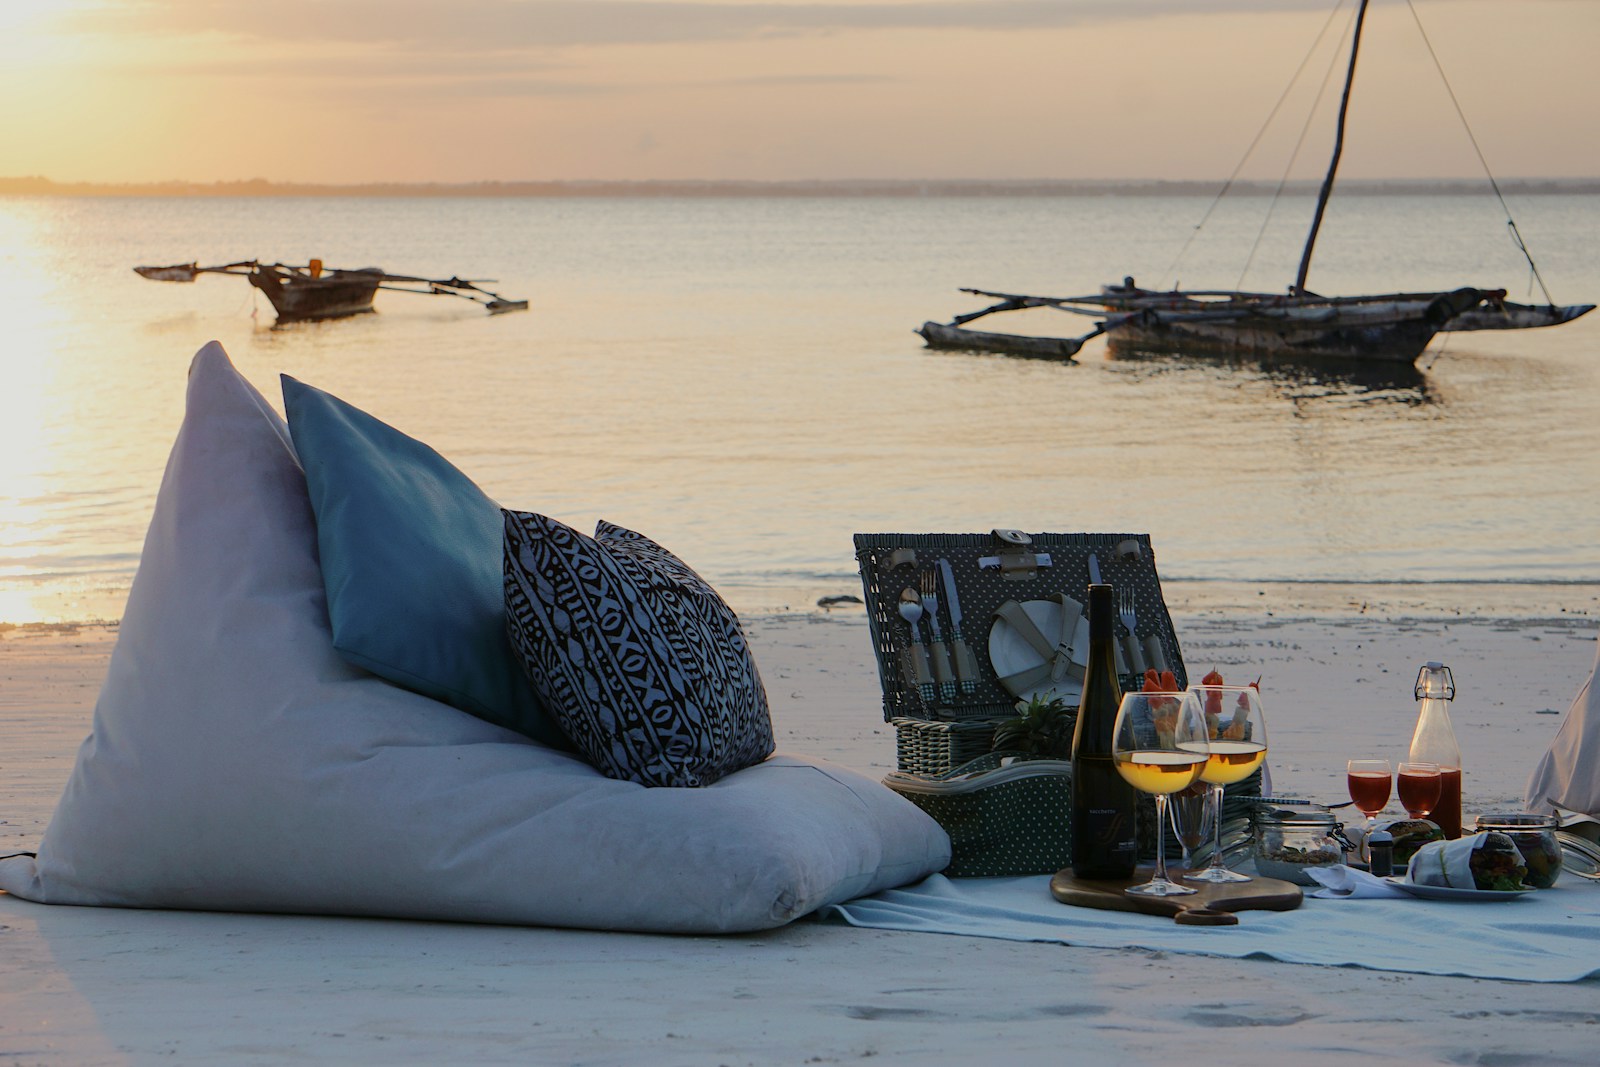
x=1543, y=936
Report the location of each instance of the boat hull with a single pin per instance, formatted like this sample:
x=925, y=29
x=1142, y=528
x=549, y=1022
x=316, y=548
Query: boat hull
x=1392, y=342
x=1367, y=329
x=336, y=295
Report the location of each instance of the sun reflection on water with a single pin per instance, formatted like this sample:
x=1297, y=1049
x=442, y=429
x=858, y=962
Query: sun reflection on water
x=32, y=411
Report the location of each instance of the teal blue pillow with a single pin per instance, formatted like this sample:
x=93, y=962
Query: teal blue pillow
x=411, y=560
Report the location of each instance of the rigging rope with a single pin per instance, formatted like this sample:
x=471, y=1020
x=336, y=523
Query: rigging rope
x=1439, y=353
x=1516, y=235
x=1255, y=142
x=1283, y=180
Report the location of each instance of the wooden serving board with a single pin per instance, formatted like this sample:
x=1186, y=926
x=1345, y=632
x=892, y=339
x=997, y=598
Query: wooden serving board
x=1212, y=905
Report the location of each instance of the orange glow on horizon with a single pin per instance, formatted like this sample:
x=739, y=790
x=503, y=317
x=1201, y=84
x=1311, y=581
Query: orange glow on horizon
x=107, y=92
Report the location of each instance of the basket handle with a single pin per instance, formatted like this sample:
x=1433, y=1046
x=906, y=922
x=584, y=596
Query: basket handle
x=989, y=761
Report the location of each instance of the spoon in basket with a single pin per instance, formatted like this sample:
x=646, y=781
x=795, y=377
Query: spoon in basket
x=911, y=610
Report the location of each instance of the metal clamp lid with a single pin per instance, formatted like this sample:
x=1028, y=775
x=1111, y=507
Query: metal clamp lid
x=1428, y=675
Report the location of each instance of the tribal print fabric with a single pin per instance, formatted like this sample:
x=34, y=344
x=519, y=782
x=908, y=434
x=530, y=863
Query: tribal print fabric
x=641, y=662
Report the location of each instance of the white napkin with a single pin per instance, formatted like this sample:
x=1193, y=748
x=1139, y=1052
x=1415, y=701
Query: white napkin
x=1447, y=863
x=1341, y=881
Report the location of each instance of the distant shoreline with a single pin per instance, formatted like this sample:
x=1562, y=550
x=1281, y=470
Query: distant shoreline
x=886, y=188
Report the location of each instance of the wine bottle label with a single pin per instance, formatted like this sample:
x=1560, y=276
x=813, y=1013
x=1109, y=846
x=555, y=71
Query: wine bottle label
x=1104, y=840
x=1108, y=831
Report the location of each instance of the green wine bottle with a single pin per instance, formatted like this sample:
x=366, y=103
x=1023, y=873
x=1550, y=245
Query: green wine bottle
x=1104, y=842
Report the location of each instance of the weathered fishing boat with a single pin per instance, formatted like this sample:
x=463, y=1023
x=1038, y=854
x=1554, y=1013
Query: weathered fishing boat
x=1299, y=324
x=311, y=292
x=1385, y=328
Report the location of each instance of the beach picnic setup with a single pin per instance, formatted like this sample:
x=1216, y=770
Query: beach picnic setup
x=1012, y=799
x=348, y=682
x=1182, y=646
x=1297, y=324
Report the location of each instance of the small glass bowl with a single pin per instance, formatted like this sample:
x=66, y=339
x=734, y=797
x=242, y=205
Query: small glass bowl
x=1535, y=838
x=1290, y=840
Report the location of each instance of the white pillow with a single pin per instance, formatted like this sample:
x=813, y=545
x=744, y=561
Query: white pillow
x=237, y=762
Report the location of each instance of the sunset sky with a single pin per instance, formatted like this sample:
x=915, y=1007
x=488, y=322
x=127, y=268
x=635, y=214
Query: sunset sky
x=348, y=91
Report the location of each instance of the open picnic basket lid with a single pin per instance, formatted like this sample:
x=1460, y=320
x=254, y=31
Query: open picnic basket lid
x=1015, y=596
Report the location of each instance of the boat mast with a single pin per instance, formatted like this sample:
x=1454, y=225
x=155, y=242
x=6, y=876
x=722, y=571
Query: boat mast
x=1338, y=148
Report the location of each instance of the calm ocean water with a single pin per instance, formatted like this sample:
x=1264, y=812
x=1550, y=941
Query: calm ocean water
x=738, y=378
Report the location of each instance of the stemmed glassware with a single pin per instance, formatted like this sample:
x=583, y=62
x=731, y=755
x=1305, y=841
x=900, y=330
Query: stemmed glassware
x=1159, y=744
x=1419, y=786
x=1370, y=781
x=1191, y=819
x=1236, y=728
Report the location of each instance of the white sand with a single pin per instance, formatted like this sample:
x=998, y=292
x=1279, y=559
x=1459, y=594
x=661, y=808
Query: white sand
x=106, y=986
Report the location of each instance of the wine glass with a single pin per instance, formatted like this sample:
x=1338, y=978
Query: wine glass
x=1159, y=744
x=1236, y=728
x=1419, y=786
x=1369, y=781
x=1191, y=819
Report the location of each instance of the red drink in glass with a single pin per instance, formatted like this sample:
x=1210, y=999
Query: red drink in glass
x=1419, y=787
x=1370, y=790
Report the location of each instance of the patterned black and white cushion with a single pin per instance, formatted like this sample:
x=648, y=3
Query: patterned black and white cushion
x=637, y=657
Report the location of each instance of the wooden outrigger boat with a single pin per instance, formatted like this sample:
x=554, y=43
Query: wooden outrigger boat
x=1298, y=325
x=310, y=292
x=1385, y=328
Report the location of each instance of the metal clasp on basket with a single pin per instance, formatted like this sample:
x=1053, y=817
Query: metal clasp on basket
x=1013, y=557
x=900, y=557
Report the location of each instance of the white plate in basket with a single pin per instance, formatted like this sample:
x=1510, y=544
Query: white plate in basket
x=1010, y=653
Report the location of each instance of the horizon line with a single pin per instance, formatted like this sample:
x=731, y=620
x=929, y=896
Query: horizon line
x=35, y=185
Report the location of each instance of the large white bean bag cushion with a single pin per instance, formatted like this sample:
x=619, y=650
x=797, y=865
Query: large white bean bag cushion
x=237, y=762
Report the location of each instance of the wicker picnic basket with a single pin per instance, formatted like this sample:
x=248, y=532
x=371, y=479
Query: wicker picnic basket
x=941, y=729
x=1004, y=817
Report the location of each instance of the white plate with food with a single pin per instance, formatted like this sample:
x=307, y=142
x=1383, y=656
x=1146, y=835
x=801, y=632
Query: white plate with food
x=1450, y=892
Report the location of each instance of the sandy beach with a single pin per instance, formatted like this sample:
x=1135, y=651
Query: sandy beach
x=92, y=986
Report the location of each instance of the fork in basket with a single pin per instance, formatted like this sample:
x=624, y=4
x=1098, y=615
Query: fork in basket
x=1130, y=619
x=942, y=671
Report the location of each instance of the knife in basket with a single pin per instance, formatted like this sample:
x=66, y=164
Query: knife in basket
x=966, y=667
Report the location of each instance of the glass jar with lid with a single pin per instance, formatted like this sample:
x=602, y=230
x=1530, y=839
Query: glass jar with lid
x=1535, y=838
x=1290, y=840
